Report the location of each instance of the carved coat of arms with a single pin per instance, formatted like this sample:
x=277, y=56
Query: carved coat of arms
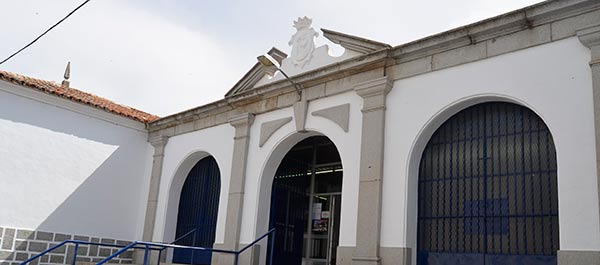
x=303, y=42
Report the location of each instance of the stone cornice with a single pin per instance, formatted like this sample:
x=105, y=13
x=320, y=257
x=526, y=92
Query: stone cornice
x=321, y=75
x=590, y=37
x=354, y=43
x=479, y=41
x=518, y=20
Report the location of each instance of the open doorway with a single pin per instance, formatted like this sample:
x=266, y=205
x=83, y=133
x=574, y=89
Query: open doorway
x=306, y=204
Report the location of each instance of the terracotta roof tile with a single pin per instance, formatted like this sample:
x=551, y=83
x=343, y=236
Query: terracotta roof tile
x=77, y=96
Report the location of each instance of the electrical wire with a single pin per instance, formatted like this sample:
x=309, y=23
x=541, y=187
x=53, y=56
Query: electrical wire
x=48, y=30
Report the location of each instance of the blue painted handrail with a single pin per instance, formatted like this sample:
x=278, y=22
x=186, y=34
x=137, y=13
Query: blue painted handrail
x=149, y=246
x=193, y=231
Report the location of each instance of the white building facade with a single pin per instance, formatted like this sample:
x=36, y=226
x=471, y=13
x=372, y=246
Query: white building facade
x=474, y=146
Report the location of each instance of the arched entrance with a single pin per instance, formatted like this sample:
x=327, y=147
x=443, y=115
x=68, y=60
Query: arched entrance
x=306, y=204
x=197, y=215
x=487, y=190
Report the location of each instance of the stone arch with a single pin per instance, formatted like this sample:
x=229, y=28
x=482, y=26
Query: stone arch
x=174, y=192
x=420, y=142
x=268, y=173
x=272, y=164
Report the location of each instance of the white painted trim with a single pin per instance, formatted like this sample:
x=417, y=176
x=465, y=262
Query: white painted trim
x=39, y=96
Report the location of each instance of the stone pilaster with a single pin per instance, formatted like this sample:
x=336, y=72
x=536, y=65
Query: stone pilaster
x=159, y=143
x=590, y=37
x=242, y=124
x=368, y=224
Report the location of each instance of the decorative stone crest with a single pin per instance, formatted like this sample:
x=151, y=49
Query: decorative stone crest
x=303, y=42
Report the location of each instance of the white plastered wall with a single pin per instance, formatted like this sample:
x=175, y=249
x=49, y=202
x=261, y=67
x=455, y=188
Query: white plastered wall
x=70, y=168
x=553, y=80
x=266, y=158
x=181, y=154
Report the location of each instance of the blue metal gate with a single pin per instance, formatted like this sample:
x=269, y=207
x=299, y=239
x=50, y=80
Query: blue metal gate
x=198, y=207
x=488, y=190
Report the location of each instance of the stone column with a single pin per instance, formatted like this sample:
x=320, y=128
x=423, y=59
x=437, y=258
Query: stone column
x=590, y=37
x=158, y=142
x=368, y=225
x=235, y=203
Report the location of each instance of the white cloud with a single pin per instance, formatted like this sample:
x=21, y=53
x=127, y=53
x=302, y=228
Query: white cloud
x=163, y=60
x=128, y=55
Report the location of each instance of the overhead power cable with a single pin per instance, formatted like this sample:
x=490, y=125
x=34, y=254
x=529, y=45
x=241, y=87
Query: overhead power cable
x=48, y=30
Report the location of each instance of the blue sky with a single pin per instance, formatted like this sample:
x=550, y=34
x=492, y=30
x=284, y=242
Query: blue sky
x=166, y=56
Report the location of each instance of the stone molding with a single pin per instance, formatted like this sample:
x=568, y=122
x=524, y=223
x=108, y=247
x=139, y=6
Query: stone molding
x=269, y=128
x=256, y=73
x=590, y=37
x=242, y=123
x=373, y=93
x=159, y=143
x=354, y=43
x=339, y=115
x=535, y=25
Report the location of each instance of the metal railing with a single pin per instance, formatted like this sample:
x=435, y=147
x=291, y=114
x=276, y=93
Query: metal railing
x=174, y=242
x=152, y=246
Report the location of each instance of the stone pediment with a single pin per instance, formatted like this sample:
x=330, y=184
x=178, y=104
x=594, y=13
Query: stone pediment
x=305, y=56
x=255, y=74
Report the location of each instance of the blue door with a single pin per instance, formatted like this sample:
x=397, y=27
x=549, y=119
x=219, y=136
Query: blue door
x=488, y=190
x=198, y=208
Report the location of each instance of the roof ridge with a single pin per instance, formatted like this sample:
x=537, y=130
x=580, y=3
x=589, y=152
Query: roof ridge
x=80, y=96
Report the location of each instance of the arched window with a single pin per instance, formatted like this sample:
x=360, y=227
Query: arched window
x=488, y=189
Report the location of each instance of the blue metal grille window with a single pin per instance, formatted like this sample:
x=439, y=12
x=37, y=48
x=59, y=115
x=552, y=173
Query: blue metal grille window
x=198, y=208
x=488, y=190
